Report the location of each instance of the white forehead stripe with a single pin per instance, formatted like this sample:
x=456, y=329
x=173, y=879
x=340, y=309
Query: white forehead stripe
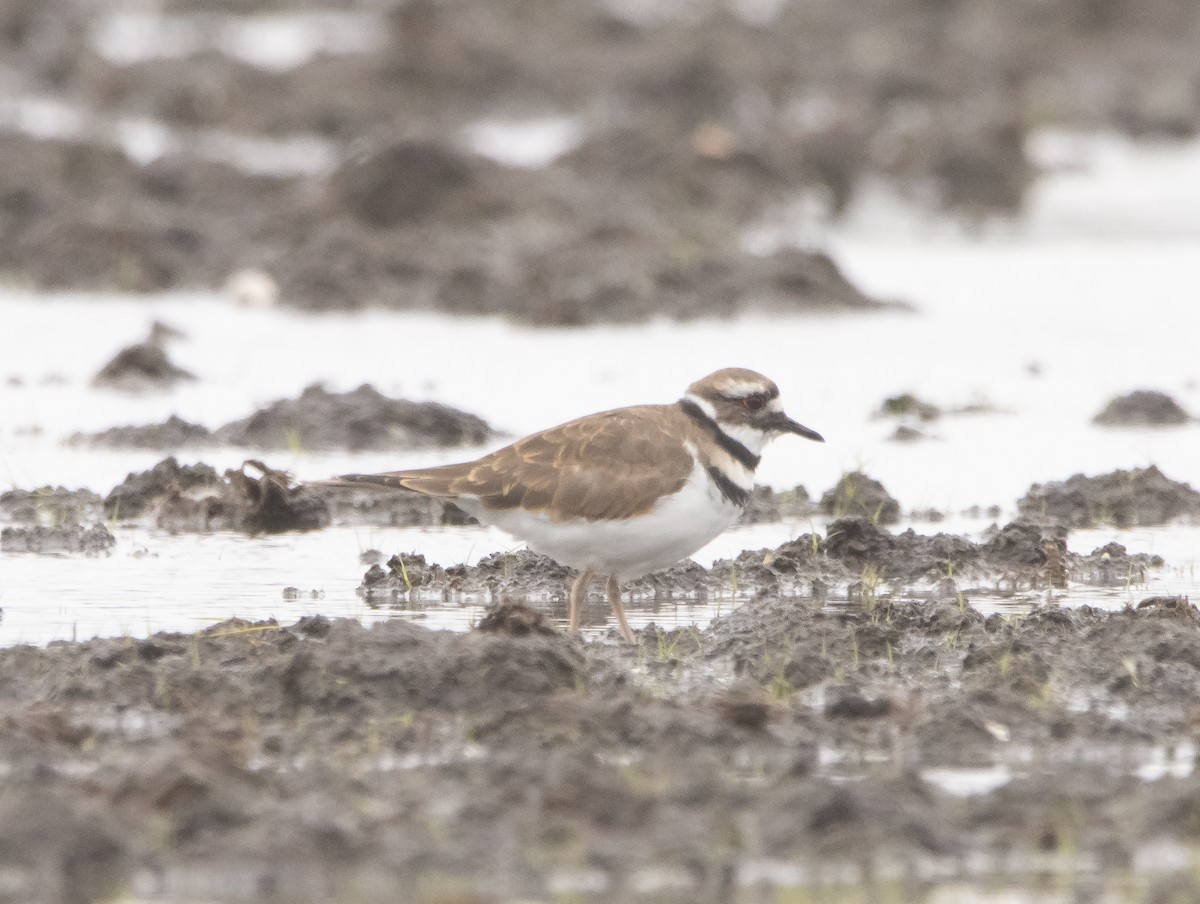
x=740, y=389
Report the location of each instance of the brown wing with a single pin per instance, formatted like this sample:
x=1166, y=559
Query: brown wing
x=609, y=465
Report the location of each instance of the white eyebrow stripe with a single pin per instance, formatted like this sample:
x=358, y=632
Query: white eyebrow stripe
x=740, y=389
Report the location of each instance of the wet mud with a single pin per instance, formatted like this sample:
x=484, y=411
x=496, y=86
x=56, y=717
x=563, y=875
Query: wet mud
x=359, y=421
x=171, y=435
x=1142, y=408
x=788, y=749
x=58, y=541
x=852, y=726
x=362, y=420
x=681, y=131
x=913, y=411
x=352, y=243
x=858, y=495
x=254, y=498
x=855, y=560
x=50, y=505
x=1140, y=496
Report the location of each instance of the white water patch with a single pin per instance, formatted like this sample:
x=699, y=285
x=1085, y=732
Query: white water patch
x=968, y=782
x=144, y=139
x=1177, y=761
x=273, y=42
x=154, y=581
x=1090, y=187
x=527, y=143
x=1109, y=185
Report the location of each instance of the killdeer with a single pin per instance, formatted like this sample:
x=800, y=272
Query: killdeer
x=625, y=492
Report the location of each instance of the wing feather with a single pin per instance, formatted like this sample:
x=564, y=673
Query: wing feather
x=615, y=464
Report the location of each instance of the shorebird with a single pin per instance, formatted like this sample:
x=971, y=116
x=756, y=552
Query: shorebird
x=625, y=492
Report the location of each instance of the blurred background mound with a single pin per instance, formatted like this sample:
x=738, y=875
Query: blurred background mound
x=557, y=162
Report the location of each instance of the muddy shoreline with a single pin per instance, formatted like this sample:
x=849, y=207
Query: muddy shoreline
x=784, y=747
x=889, y=745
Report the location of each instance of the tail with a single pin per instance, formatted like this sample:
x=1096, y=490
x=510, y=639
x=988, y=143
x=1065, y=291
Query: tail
x=426, y=481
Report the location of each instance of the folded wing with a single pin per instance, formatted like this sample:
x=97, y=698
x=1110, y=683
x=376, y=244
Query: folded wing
x=616, y=464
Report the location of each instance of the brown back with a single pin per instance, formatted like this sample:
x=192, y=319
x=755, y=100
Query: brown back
x=614, y=464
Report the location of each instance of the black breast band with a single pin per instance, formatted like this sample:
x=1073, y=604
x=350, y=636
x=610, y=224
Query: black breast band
x=722, y=439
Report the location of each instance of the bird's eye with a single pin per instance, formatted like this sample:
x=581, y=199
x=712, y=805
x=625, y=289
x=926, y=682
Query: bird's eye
x=754, y=402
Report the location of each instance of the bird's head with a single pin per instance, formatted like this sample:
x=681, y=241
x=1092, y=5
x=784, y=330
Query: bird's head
x=746, y=406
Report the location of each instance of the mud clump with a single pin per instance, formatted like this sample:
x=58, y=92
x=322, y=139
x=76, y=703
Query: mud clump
x=1022, y=553
x=401, y=183
x=859, y=545
x=798, y=280
x=515, y=619
x=858, y=542
x=906, y=434
x=404, y=573
x=498, y=576
x=1142, y=408
x=359, y=421
x=767, y=505
x=363, y=420
x=1175, y=604
x=168, y=479
x=174, y=433
x=182, y=498
x=1112, y=565
x=186, y=498
x=1137, y=497
x=908, y=405
x=910, y=408
x=57, y=541
x=857, y=495
x=856, y=559
x=50, y=506
x=1022, y=544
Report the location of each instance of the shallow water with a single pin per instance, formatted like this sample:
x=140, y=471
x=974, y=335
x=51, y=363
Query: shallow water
x=155, y=581
x=1045, y=319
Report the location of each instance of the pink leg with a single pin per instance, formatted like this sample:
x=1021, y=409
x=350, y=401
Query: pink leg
x=614, y=597
x=578, y=592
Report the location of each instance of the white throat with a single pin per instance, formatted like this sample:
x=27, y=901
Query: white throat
x=751, y=437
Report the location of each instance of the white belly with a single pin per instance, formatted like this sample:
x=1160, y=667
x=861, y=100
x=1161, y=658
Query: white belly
x=631, y=547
